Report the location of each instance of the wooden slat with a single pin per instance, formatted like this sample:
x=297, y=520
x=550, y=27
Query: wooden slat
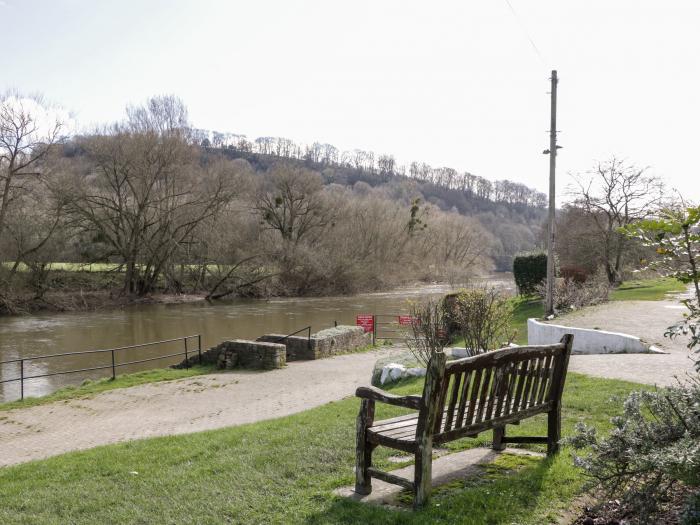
x=495, y=386
x=391, y=478
x=483, y=396
x=440, y=409
x=504, y=355
x=477, y=428
x=528, y=385
x=549, y=370
x=474, y=397
x=536, y=383
x=454, y=395
x=459, y=419
x=512, y=380
x=524, y=439
x=522, y=369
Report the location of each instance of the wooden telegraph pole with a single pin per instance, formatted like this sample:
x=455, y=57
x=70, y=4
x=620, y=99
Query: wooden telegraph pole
x=549, y=302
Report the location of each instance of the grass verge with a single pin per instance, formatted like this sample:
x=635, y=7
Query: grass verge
x=284, y=471
x=89, y=387
x=647, y=289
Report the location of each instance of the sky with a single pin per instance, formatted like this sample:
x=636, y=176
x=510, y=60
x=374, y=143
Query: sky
x=461, y=83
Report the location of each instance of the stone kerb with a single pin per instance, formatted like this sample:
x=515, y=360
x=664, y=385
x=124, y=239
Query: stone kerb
x=586, y=340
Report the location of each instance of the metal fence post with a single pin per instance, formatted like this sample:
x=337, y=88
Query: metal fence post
x=199, y=347
x=21, y=379
x=308, y=338
x=114, y=368
x=374, y=329
x=187, y=363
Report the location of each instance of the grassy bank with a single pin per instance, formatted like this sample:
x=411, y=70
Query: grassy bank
x=90, y=388
x=647, y=289
x=284, y=471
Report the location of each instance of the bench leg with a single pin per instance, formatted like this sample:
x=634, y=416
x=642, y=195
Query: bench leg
x=553, y=430
x=498, y=434
x=363, y=457
x=423, y=475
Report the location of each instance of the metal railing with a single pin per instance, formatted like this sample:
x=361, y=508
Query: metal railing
x=305, y=329
x=113, y=365
x=386, y=326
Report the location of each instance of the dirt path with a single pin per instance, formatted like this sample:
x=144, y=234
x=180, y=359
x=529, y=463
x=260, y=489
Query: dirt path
x=647, y=320
x=182, y=406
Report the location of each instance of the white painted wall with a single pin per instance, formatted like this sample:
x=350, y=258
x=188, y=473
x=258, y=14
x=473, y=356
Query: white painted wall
x=587, y=341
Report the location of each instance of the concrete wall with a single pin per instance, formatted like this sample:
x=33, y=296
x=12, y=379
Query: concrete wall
x=587, y=341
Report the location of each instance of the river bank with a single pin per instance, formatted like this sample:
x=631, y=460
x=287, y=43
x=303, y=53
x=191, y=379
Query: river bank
x=94, y=290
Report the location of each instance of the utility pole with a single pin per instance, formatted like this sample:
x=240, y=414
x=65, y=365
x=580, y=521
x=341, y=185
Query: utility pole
x=549, y=301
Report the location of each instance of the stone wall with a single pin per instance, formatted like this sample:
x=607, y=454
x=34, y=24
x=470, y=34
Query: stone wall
x=325, y=343
x=298, y=348
x=240, y=353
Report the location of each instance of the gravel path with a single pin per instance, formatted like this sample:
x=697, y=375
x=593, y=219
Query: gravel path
x=177, y=407
x=647, y=320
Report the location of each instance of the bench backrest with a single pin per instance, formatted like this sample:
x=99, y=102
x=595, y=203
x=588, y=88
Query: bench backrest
x=473, y=394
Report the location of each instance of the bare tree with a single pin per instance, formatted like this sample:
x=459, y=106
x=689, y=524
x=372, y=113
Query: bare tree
x=292, y=204
x=145, y=191
x=28, y=130
x=615, y=194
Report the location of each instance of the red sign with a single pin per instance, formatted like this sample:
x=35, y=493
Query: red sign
x=407, y=320
x=366, y=322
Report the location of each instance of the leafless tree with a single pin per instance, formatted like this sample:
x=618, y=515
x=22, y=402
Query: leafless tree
x=615, y=194
x=145, y=192
x=291, y=203
x=29, y=129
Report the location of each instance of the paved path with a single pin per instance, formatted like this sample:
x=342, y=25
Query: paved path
x=177, y=407
x=238, y=397
x=647, y=320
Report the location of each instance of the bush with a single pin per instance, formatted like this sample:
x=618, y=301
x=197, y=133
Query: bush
x=654, y=445
x=570, y=294
x=483, y=317
x=529, y=270
x=428, y=333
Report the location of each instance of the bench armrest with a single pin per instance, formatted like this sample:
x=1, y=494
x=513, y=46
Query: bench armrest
x=377, y=394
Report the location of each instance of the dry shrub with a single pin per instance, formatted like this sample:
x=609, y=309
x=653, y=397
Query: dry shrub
x=427, y=334
x=483, y=317
x=570, y=294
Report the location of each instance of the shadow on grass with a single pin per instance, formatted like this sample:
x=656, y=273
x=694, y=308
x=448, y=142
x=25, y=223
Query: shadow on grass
x=512, y=489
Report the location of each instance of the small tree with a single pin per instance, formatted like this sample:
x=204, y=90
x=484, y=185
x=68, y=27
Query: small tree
x=614, y=195
x=428, y=333
x=484, y=318
x=675, y=234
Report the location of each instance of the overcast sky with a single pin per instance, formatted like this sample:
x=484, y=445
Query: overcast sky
x=451, y=83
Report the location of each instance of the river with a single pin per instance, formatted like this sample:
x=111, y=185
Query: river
x=52, y=333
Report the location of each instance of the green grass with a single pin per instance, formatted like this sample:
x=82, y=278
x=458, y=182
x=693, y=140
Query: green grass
x=284, y=471
x=647, y=289
x=89, y=388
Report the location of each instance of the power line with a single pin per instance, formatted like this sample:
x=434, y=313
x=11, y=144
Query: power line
x=527, y=34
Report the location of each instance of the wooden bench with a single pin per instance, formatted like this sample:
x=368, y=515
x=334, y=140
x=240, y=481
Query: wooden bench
x=461, y=399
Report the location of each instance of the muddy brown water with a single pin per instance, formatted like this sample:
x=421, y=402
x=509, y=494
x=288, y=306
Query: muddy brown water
x=43, y=334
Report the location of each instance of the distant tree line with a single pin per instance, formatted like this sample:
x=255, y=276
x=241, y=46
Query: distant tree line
x=321, y=155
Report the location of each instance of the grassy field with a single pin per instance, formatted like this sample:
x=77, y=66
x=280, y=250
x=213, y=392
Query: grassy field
x=90, y=388
x=647, y=289
x=284, y=471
